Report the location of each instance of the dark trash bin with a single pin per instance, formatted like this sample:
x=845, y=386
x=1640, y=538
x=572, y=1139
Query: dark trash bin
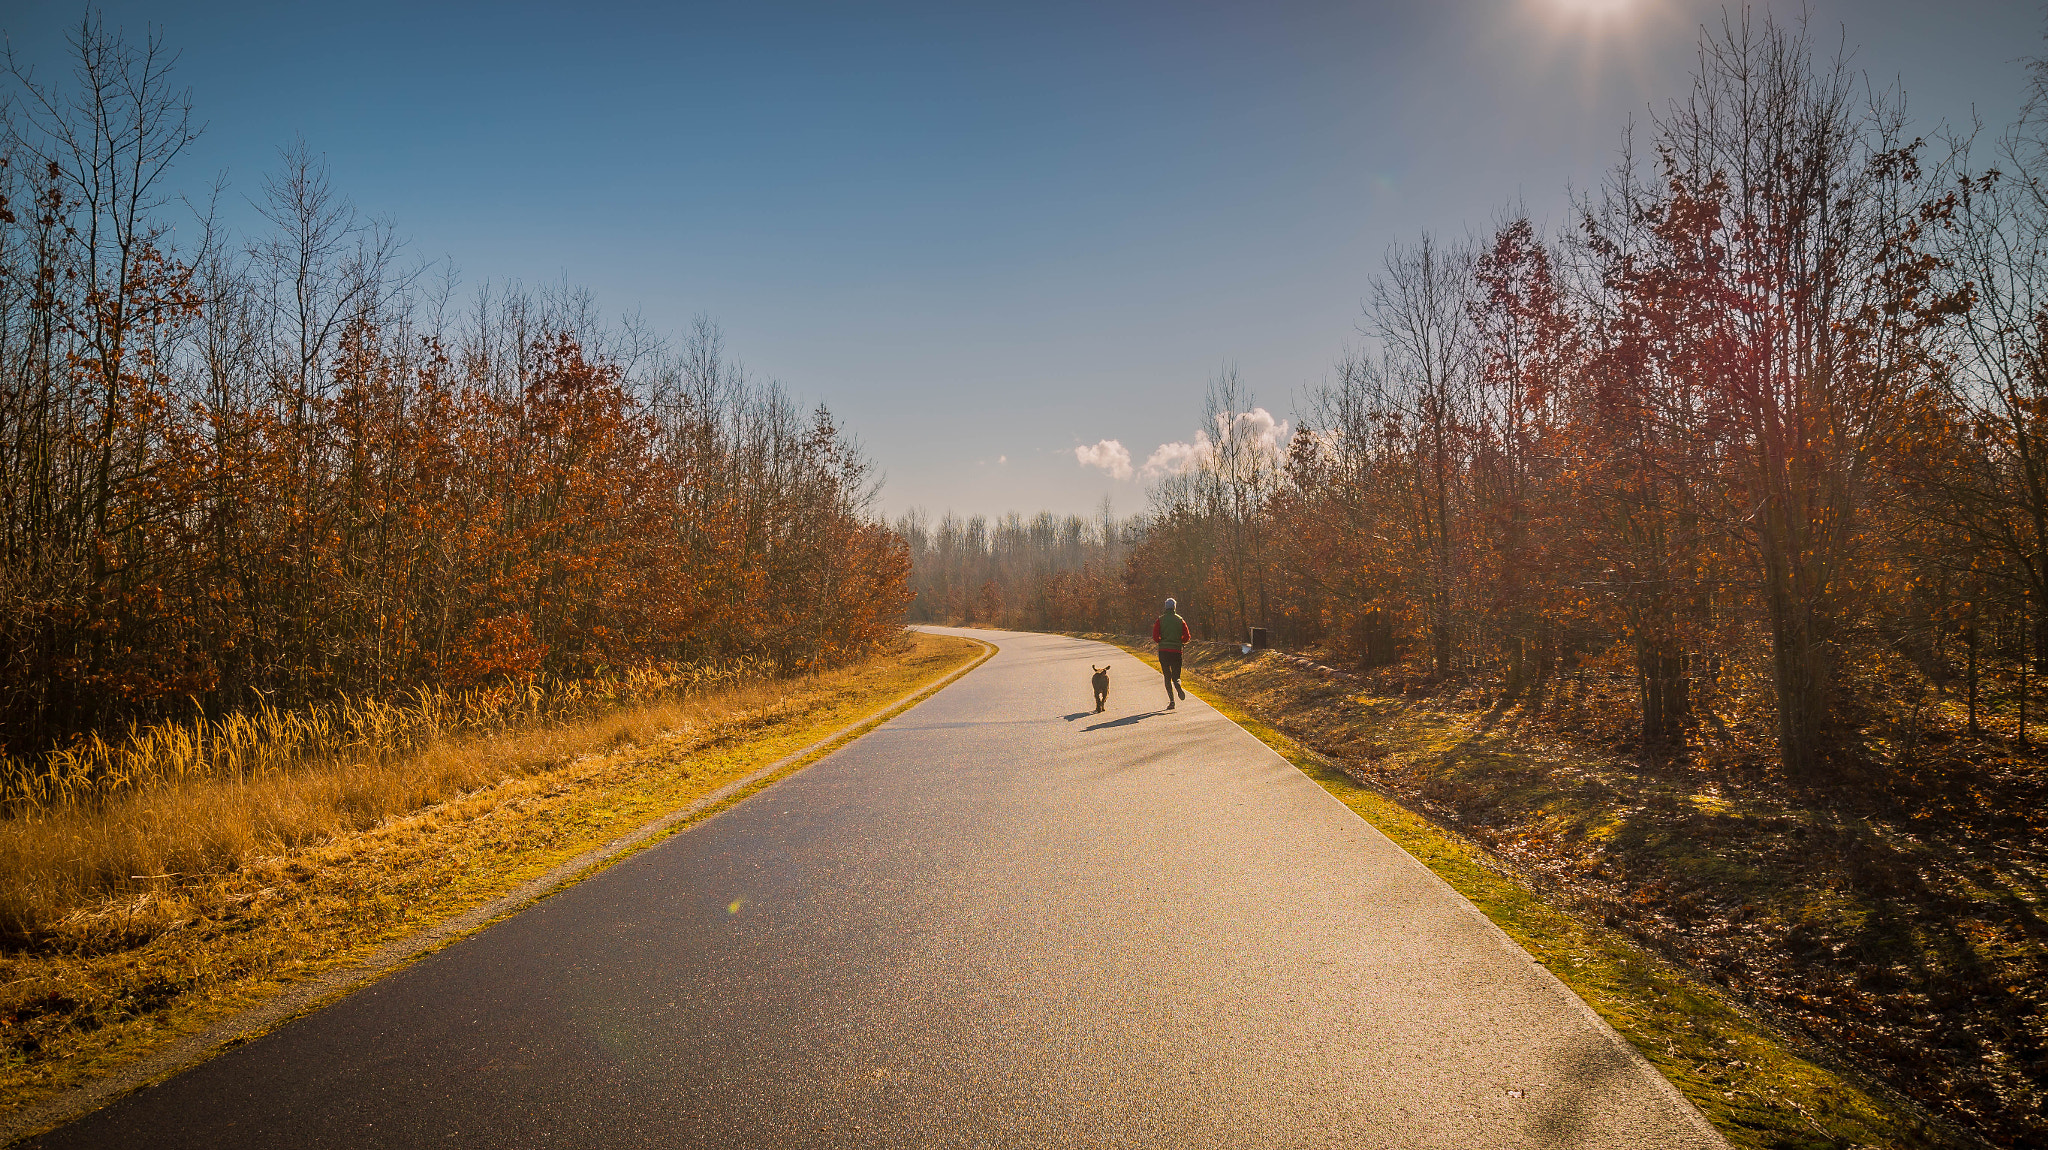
x=1259, y=642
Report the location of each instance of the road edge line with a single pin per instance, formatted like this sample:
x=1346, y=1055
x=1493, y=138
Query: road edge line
x=1635, y=1058
x=313, y=995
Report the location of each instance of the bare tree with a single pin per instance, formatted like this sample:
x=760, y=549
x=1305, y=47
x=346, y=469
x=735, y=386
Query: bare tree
x=1419, y=311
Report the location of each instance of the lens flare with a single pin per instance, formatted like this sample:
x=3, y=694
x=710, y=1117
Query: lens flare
x=1592, y=8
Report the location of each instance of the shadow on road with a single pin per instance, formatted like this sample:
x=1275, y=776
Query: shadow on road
x=962, y=725
x=1126, y=721
x=1569, y=1112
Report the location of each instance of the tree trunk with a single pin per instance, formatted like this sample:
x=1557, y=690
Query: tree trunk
x=1517, y=659
x=1970, y=644
x=2024, y=629
x=1801, y=658
x=1660, y=681
x=1803, y=711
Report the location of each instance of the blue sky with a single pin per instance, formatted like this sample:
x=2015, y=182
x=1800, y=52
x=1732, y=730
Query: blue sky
x=983, y=234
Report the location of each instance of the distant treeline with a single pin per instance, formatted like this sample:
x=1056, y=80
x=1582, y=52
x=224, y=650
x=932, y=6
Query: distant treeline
x=289, y=466
x=1760, y=431
x=1043, y=573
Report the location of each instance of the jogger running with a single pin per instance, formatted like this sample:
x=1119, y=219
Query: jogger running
x=1170, y=631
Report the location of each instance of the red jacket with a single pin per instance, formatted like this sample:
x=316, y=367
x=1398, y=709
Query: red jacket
x=1173, y=642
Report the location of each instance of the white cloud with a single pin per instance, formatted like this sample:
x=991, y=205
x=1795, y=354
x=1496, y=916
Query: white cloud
x=1253, y=433
x=1107, y=454
x=1257, y=430
x=1179, y=458
x=1002, y=459
x=1245, y=436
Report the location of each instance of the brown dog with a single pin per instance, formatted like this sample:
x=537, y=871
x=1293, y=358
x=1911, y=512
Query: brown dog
x=1101, y=687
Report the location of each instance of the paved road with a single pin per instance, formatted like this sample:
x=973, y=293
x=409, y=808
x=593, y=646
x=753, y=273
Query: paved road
x=996, y=921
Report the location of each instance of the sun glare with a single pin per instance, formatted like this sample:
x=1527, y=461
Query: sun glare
x=1597, y=9
x=1599, y=43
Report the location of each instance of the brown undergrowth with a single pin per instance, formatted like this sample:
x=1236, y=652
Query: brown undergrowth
x=264, y=884
x=1893, y=918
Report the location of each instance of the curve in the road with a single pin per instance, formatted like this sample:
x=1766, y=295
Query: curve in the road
x=997, y=920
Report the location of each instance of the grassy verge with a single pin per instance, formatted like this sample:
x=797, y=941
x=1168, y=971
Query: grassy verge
x=116, y=980
x=1758, y=1086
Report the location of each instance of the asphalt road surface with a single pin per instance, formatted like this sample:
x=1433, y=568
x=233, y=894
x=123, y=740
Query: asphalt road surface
x=999, y=920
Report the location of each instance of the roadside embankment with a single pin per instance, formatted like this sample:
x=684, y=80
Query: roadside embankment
x=1480, y=805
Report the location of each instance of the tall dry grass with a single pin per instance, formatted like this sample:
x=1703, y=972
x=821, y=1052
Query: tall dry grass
x=175, y=804
x=252, y=746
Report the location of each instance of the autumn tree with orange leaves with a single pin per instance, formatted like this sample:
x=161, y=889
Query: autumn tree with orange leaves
x=257, y=471
x=1757, y=434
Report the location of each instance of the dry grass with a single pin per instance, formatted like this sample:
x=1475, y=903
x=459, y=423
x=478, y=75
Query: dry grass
x=176, y=802
x=255, y=885
x=259, y=744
